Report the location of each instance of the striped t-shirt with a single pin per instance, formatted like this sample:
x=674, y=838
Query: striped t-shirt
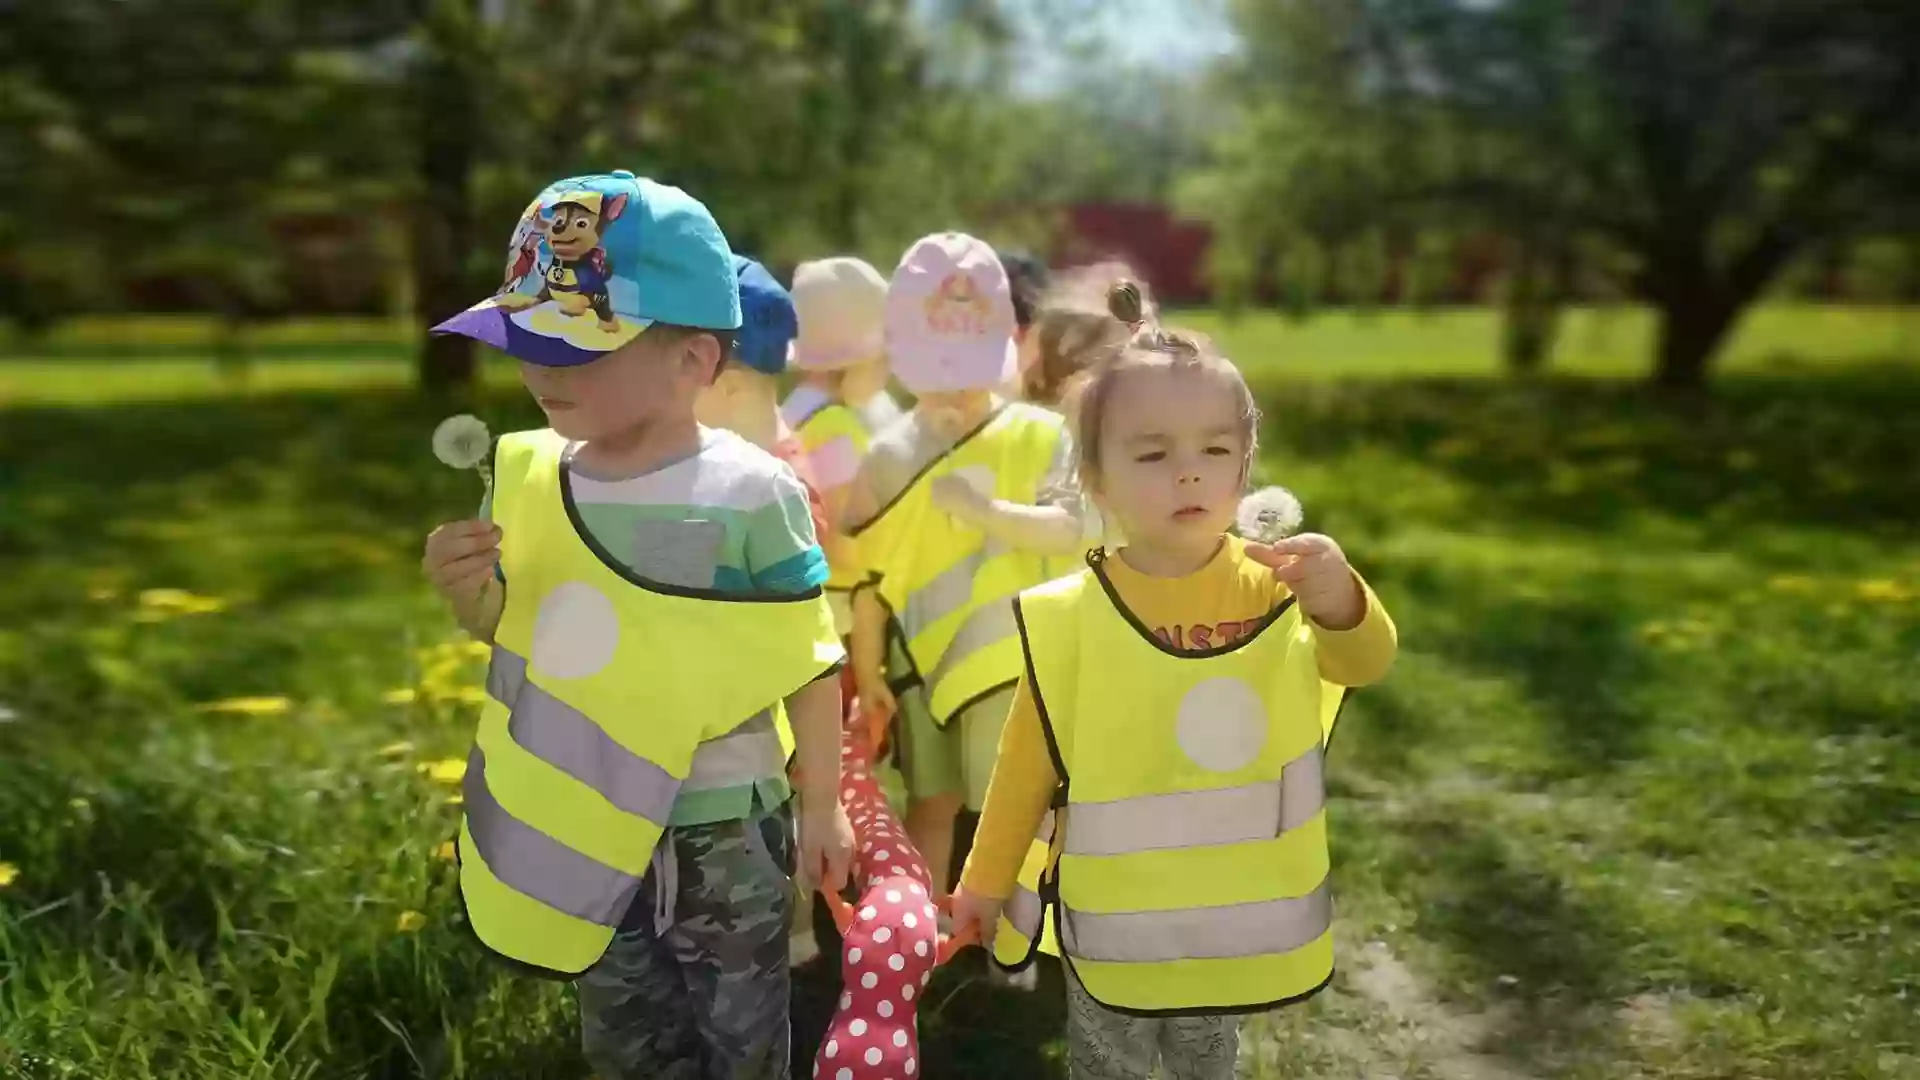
x=729, y=516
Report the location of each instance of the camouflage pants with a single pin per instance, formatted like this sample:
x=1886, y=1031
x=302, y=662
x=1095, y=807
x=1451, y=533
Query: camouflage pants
x=1106, y=1045
x=704, y=997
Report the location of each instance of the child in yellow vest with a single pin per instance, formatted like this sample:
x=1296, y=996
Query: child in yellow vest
x=1177, y=697
x=956, y=508
x=652, y=592
x=841, y=399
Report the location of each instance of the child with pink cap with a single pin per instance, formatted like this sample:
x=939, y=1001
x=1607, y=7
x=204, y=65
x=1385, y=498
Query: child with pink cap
x=955, y=509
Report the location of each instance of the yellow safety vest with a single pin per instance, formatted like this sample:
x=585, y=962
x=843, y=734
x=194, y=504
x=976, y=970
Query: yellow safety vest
x=601, y=687
x=831, y=421
x=947, y=584
x=1190, y=863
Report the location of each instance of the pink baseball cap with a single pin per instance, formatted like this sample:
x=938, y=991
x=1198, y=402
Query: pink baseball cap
x=950, y=317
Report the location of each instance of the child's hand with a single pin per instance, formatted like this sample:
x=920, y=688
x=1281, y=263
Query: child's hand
x=877, y=706
x=826, y=844
x=954, y=495
x=1315, y=568
x=460, y=558
x=979, y=914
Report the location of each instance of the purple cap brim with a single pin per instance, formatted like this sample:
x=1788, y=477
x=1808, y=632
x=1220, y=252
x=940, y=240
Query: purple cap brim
x=494, y=326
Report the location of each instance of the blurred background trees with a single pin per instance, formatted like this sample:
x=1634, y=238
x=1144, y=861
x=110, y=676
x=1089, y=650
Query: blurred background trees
x=254, y=158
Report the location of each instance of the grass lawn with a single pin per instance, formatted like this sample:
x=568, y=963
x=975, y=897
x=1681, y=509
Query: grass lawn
x=1641, y=799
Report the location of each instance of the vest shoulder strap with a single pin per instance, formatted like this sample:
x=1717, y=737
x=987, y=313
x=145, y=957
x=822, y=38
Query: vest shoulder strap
x=1047, y=618
x=521, y=450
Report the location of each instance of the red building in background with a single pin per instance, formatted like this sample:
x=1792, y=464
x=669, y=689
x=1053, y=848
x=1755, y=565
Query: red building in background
x=1169, y=253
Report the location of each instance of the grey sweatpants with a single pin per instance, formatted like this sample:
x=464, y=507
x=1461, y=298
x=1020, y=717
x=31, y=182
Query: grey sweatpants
x=1106, y=1045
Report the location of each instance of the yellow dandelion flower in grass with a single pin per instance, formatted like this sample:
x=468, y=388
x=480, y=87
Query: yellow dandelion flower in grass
x=1882, y=589
x=396, y=749
x=445, y=771
x=401, y=695
x=249, y=706
x=476, y=650
x=410, y=921
x=468, y=695
x=445, y=851
x=9, y=873
x=456, y=799
x=179, y=602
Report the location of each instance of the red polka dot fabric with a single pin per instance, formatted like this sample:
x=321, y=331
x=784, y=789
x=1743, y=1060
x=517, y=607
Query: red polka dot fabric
x=891, y=944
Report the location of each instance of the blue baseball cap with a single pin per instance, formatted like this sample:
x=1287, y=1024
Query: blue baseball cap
x=595, y=260
x=769, y=322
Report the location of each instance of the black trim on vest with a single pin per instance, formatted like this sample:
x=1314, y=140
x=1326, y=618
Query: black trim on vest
x=927, y=468
x=1048, y=898
x=1326, y=747
x=1098, y=556
x=1040, y=705
x=1197, y=1010
x=663, y=588
x=971, y=701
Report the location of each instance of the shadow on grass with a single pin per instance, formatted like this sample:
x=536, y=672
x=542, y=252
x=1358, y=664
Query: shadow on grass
x=1578, y=658
x=1556, y=961
x=298, y=487
x=969, y=1027
x=1828, y=449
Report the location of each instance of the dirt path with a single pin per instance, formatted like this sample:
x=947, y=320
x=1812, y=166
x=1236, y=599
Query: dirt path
x=1452, y=1040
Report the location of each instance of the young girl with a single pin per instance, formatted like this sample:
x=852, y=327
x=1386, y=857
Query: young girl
x=1171, y=713
x=1071, y=327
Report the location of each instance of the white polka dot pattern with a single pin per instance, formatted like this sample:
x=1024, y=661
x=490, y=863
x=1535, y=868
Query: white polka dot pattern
x=891, y=946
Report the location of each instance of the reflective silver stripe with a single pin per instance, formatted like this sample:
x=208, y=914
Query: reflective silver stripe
x=749, y=752
x=506, y=674
x=946, y=593
x=534, y=864
x=1188, y=819
x=1045, y=835
x=982, y=628
x=1023, y=911
x=1204, y=933
x=563, y=737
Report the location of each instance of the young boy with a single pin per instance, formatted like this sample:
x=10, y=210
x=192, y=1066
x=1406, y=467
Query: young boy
x=652, y=592
x=954, y=512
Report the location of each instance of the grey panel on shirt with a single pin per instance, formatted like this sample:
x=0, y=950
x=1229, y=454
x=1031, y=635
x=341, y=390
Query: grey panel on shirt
x=685, y=553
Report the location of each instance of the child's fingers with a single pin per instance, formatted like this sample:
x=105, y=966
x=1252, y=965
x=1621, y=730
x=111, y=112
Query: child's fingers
x=1293, y=570
x=1304, y=544
x=460, y=569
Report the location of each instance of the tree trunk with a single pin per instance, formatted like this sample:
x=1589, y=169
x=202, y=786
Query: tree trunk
x=1692, y=328
x=1533, y=310
x=443, y=215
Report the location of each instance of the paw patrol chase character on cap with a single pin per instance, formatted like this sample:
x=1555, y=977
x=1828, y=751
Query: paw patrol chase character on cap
x=664, y=644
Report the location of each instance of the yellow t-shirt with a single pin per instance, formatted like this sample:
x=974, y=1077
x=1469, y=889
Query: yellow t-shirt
x=1214, y=605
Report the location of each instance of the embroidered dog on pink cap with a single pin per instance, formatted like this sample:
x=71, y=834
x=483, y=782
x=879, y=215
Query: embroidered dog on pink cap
x=950, y=317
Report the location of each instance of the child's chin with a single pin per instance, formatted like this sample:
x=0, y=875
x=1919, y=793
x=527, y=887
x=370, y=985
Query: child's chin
x=569, y=424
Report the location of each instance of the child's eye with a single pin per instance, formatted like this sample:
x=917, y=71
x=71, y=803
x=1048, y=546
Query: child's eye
x=1151, y=456
x=1219, y=451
